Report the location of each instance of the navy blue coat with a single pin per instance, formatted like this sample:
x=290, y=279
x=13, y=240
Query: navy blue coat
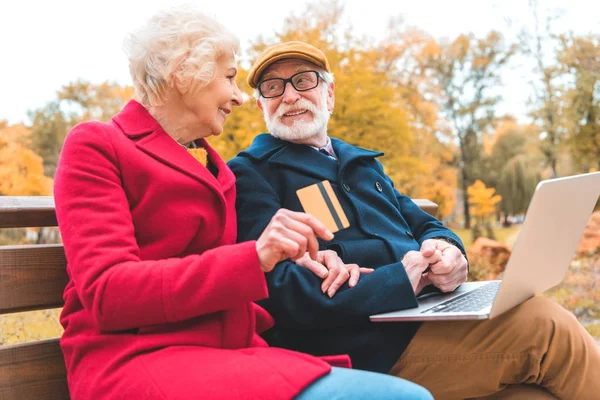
x=384, y=225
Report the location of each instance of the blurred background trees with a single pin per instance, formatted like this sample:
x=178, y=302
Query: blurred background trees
x=431, y=104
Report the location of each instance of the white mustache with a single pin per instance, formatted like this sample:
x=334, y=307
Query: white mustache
x=301, y=104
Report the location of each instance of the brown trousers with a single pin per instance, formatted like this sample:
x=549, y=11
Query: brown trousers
x=538, y=343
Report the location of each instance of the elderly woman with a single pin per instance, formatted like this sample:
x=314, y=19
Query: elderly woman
x=160, y=299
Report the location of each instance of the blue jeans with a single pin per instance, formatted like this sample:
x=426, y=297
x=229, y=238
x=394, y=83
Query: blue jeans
x=344, y=383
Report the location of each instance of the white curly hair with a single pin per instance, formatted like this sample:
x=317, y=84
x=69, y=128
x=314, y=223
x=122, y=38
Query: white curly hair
x=179, y=46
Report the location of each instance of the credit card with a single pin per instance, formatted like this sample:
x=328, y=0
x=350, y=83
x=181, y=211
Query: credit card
x=320, y=201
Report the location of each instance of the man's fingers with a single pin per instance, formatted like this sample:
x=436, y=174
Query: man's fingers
x=427, y=251
x=434, y=257
x=440, y=268
x=312, y=247
x=316, y=268
x=425, y=279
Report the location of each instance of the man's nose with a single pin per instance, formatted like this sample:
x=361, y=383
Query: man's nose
x=290, y=94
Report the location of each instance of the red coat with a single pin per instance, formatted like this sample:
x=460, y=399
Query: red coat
x=160, y=301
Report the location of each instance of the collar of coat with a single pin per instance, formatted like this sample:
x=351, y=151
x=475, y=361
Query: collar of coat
x=137, y=124
x=304, y=158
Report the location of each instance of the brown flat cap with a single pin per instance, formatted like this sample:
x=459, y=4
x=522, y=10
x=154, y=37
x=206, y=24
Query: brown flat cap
x=294, y=49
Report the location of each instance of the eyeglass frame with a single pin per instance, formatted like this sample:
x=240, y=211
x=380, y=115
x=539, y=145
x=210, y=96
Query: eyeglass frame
x=291, y=82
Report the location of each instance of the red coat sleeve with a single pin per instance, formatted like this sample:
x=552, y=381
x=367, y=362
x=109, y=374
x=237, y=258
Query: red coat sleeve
x=120, y=290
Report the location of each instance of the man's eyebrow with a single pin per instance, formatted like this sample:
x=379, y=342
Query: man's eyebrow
x=269, y=75
x=299, y=68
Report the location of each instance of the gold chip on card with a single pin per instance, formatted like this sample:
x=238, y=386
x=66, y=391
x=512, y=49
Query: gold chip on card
x=320, y=201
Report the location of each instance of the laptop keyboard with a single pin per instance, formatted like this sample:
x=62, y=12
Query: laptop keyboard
x=474, y=300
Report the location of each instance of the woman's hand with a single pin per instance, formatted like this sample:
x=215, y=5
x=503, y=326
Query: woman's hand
x=329, y=267
x=290, y=234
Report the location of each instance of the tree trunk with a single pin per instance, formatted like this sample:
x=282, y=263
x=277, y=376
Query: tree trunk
x=463, y=171
x=553, y=165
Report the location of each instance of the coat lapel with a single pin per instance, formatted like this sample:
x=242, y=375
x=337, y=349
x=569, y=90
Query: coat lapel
x=347, y=153
x=137, y=123
x=161, y=146
x=306, y=160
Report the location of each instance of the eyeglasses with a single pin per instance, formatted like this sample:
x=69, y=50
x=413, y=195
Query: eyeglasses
x=302, y=81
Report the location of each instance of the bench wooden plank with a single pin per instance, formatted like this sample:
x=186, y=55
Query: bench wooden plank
x=38, y=211
x=33, y=371
x=428, y=206
x=32, y=277
x=27, y=211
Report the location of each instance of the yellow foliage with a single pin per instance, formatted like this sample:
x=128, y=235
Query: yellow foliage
x=29, y=326
x=21, y=170
x=482, y=200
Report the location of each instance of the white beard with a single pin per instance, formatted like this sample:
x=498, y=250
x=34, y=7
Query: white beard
x=299, y=130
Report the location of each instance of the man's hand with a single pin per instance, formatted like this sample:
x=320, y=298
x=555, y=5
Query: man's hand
x=416, y=262
x=450, y=270
x=329, y=267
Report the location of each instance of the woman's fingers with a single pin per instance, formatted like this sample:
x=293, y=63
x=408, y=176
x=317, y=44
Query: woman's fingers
x=340, y=279
x=354, y=271
x=317, y=226
x=306, y=225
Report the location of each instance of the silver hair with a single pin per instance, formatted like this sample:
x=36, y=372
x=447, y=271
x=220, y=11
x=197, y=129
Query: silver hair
x=180, y=46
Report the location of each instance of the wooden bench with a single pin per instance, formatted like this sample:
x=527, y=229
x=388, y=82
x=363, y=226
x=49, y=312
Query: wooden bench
x=33, y=277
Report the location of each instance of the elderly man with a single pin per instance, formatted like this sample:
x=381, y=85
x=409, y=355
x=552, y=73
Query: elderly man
x=399, y=249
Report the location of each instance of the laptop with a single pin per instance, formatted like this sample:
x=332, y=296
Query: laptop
x=553, y=226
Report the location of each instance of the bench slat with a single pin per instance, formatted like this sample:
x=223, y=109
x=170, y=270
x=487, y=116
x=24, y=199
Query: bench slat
x=428, y=206
x=27, y=211
x=33, y=371
x=32, y=277
x=38, y=211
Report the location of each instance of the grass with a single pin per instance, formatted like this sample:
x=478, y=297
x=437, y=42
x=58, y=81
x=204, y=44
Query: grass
x=503, y=235
x=29, y=326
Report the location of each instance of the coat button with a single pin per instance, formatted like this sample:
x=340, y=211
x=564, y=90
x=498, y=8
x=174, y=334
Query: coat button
x=345, y=186
x=378, y=187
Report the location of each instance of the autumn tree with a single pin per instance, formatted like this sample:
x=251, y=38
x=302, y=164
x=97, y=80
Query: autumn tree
x=580, y=57
x=482, y=201
x=513, y=165
x=49, y=126
x=77, y=101
x=516, y=185
x=540, y=46
x=462, y=75
x=429, y=172
x=21, y=170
